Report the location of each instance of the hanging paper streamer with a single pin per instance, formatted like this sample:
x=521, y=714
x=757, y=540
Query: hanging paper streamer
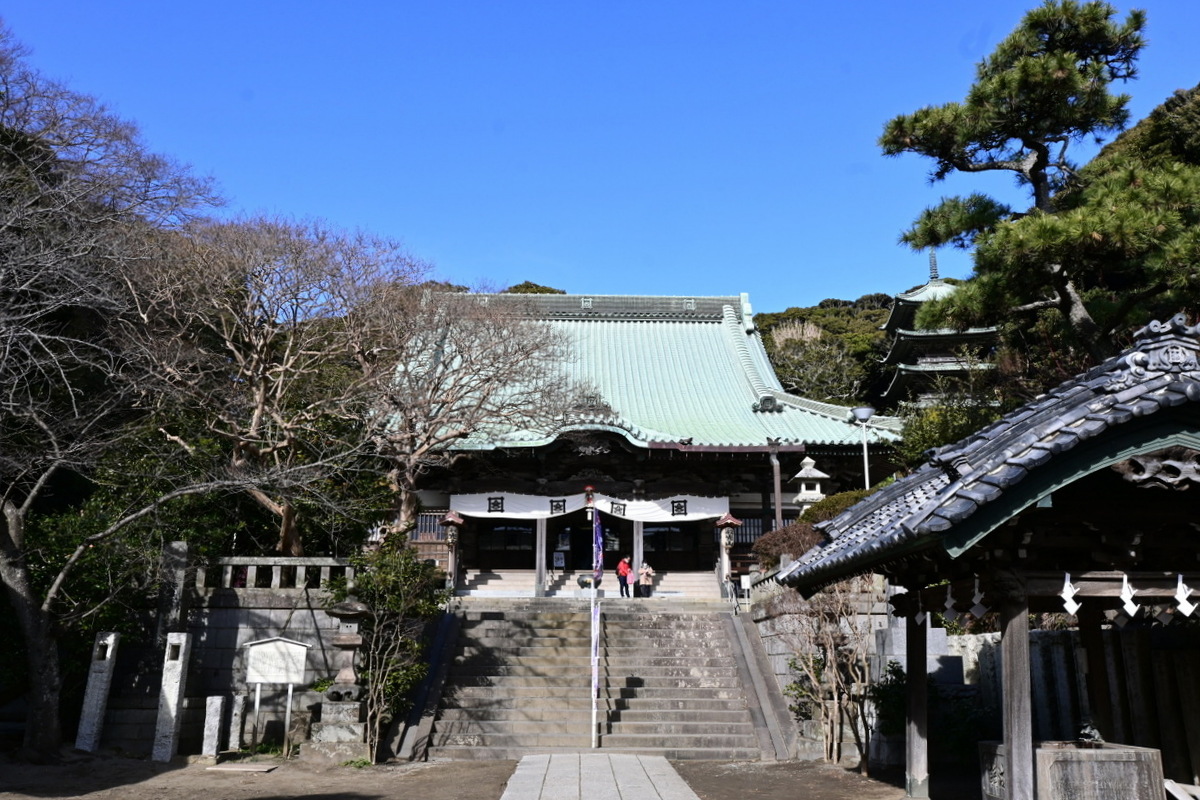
x=921, y=615
x=951, y=613
x=1131, y=608
x=979, y=609
x=1068, y=594
x=1181, y=596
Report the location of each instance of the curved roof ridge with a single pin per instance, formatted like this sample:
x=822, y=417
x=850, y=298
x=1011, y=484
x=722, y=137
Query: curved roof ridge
x=738, y=338
x=1161, y=370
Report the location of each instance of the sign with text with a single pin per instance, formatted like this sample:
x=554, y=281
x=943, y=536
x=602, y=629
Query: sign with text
x=275, y=660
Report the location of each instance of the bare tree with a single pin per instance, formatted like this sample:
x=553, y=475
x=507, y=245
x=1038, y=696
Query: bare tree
x=456, y=372
x=257, y=326
x=832, y=636
x=78, y=196
x=819, y=367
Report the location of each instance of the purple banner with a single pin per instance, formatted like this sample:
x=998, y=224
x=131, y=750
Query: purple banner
x=597, y=547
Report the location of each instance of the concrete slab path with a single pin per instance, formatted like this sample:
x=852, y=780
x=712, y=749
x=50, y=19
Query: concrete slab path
x=577, y=776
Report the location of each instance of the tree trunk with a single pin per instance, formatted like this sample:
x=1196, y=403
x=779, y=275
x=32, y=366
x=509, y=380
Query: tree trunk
x=43, y=730
x=408, y=505
x=289, y=534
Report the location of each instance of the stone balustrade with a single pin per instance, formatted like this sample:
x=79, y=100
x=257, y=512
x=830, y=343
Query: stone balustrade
x=271, y=572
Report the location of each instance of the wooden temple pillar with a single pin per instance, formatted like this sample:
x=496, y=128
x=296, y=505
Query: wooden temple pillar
x=916, y=729
x=639, y=538
x=1010, y=592
x=539, y=549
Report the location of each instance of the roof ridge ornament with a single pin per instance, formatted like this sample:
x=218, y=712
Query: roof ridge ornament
x=767, y=402
x=1161, y=348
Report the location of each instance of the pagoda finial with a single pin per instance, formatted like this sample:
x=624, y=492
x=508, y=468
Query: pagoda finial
x=933, y=272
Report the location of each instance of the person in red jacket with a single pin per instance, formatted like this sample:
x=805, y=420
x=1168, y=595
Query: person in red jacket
x=624, y=573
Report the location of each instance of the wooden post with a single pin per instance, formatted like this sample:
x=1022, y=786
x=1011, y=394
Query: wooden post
x=916, y=734
x=907, y=604
x=1018, y=720
x=1098, y=697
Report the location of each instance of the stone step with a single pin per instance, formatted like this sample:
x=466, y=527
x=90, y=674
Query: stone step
x=475, y=739
x=627, y=686
x=580, y=711
x=617, y=741
x=541, y=728
x=616, y=637
x=549, y=707
x=576, y=680
x=643, y=705
x=474, y=753
x=533, y=691
x=713, y=719
x=574, y=622
x=555, y=668
x=619, y=658
x=582, y=643
x=664, y=728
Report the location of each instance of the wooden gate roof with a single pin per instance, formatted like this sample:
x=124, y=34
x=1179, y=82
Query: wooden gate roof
x=1142, y=401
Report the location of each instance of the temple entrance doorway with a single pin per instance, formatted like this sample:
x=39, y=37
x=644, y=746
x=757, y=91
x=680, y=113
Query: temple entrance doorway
x=679, y=546
x=569, y=542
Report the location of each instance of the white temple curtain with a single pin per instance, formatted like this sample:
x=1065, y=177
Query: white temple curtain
x=500, y=505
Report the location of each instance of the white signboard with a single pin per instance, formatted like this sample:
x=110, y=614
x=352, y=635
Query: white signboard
x=275, y=661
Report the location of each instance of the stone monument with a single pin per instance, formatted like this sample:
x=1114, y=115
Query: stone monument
x=95, y=700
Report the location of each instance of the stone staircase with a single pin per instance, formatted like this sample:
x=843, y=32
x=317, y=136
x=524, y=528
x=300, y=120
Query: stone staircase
x=674, y=686
x=519, y=683
x=671, y=681
x=520, y=583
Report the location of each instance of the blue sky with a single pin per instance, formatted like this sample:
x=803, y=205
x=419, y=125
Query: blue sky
x=680, y=147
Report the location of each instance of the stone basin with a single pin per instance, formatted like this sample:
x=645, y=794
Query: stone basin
x=1079, y=770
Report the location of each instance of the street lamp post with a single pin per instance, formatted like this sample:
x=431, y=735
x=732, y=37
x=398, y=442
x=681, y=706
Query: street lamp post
x=861, y=415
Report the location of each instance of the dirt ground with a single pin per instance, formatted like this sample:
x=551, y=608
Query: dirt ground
x=94, y=777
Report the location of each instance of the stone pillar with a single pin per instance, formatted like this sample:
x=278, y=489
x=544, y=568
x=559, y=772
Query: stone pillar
x=237, y=719
x=1017, y=711
x=170, y=698
x=172, y=594
x=95, y=699
x=214, y=714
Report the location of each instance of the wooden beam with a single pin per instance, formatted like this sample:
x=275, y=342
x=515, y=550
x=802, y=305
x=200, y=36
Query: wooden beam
x=1108, y=583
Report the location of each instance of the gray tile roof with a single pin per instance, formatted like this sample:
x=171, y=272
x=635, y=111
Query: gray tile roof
x=1161, y=371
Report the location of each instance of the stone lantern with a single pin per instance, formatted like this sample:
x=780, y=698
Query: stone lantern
x=453, y=523
x=811, y=490
x=725, y=525
x=341, y=735
x=349, y=613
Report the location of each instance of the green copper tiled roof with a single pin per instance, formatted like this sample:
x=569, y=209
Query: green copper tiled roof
x=674, y=369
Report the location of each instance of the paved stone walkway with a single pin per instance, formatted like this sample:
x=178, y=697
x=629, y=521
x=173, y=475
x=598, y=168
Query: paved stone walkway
x=580, y=776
